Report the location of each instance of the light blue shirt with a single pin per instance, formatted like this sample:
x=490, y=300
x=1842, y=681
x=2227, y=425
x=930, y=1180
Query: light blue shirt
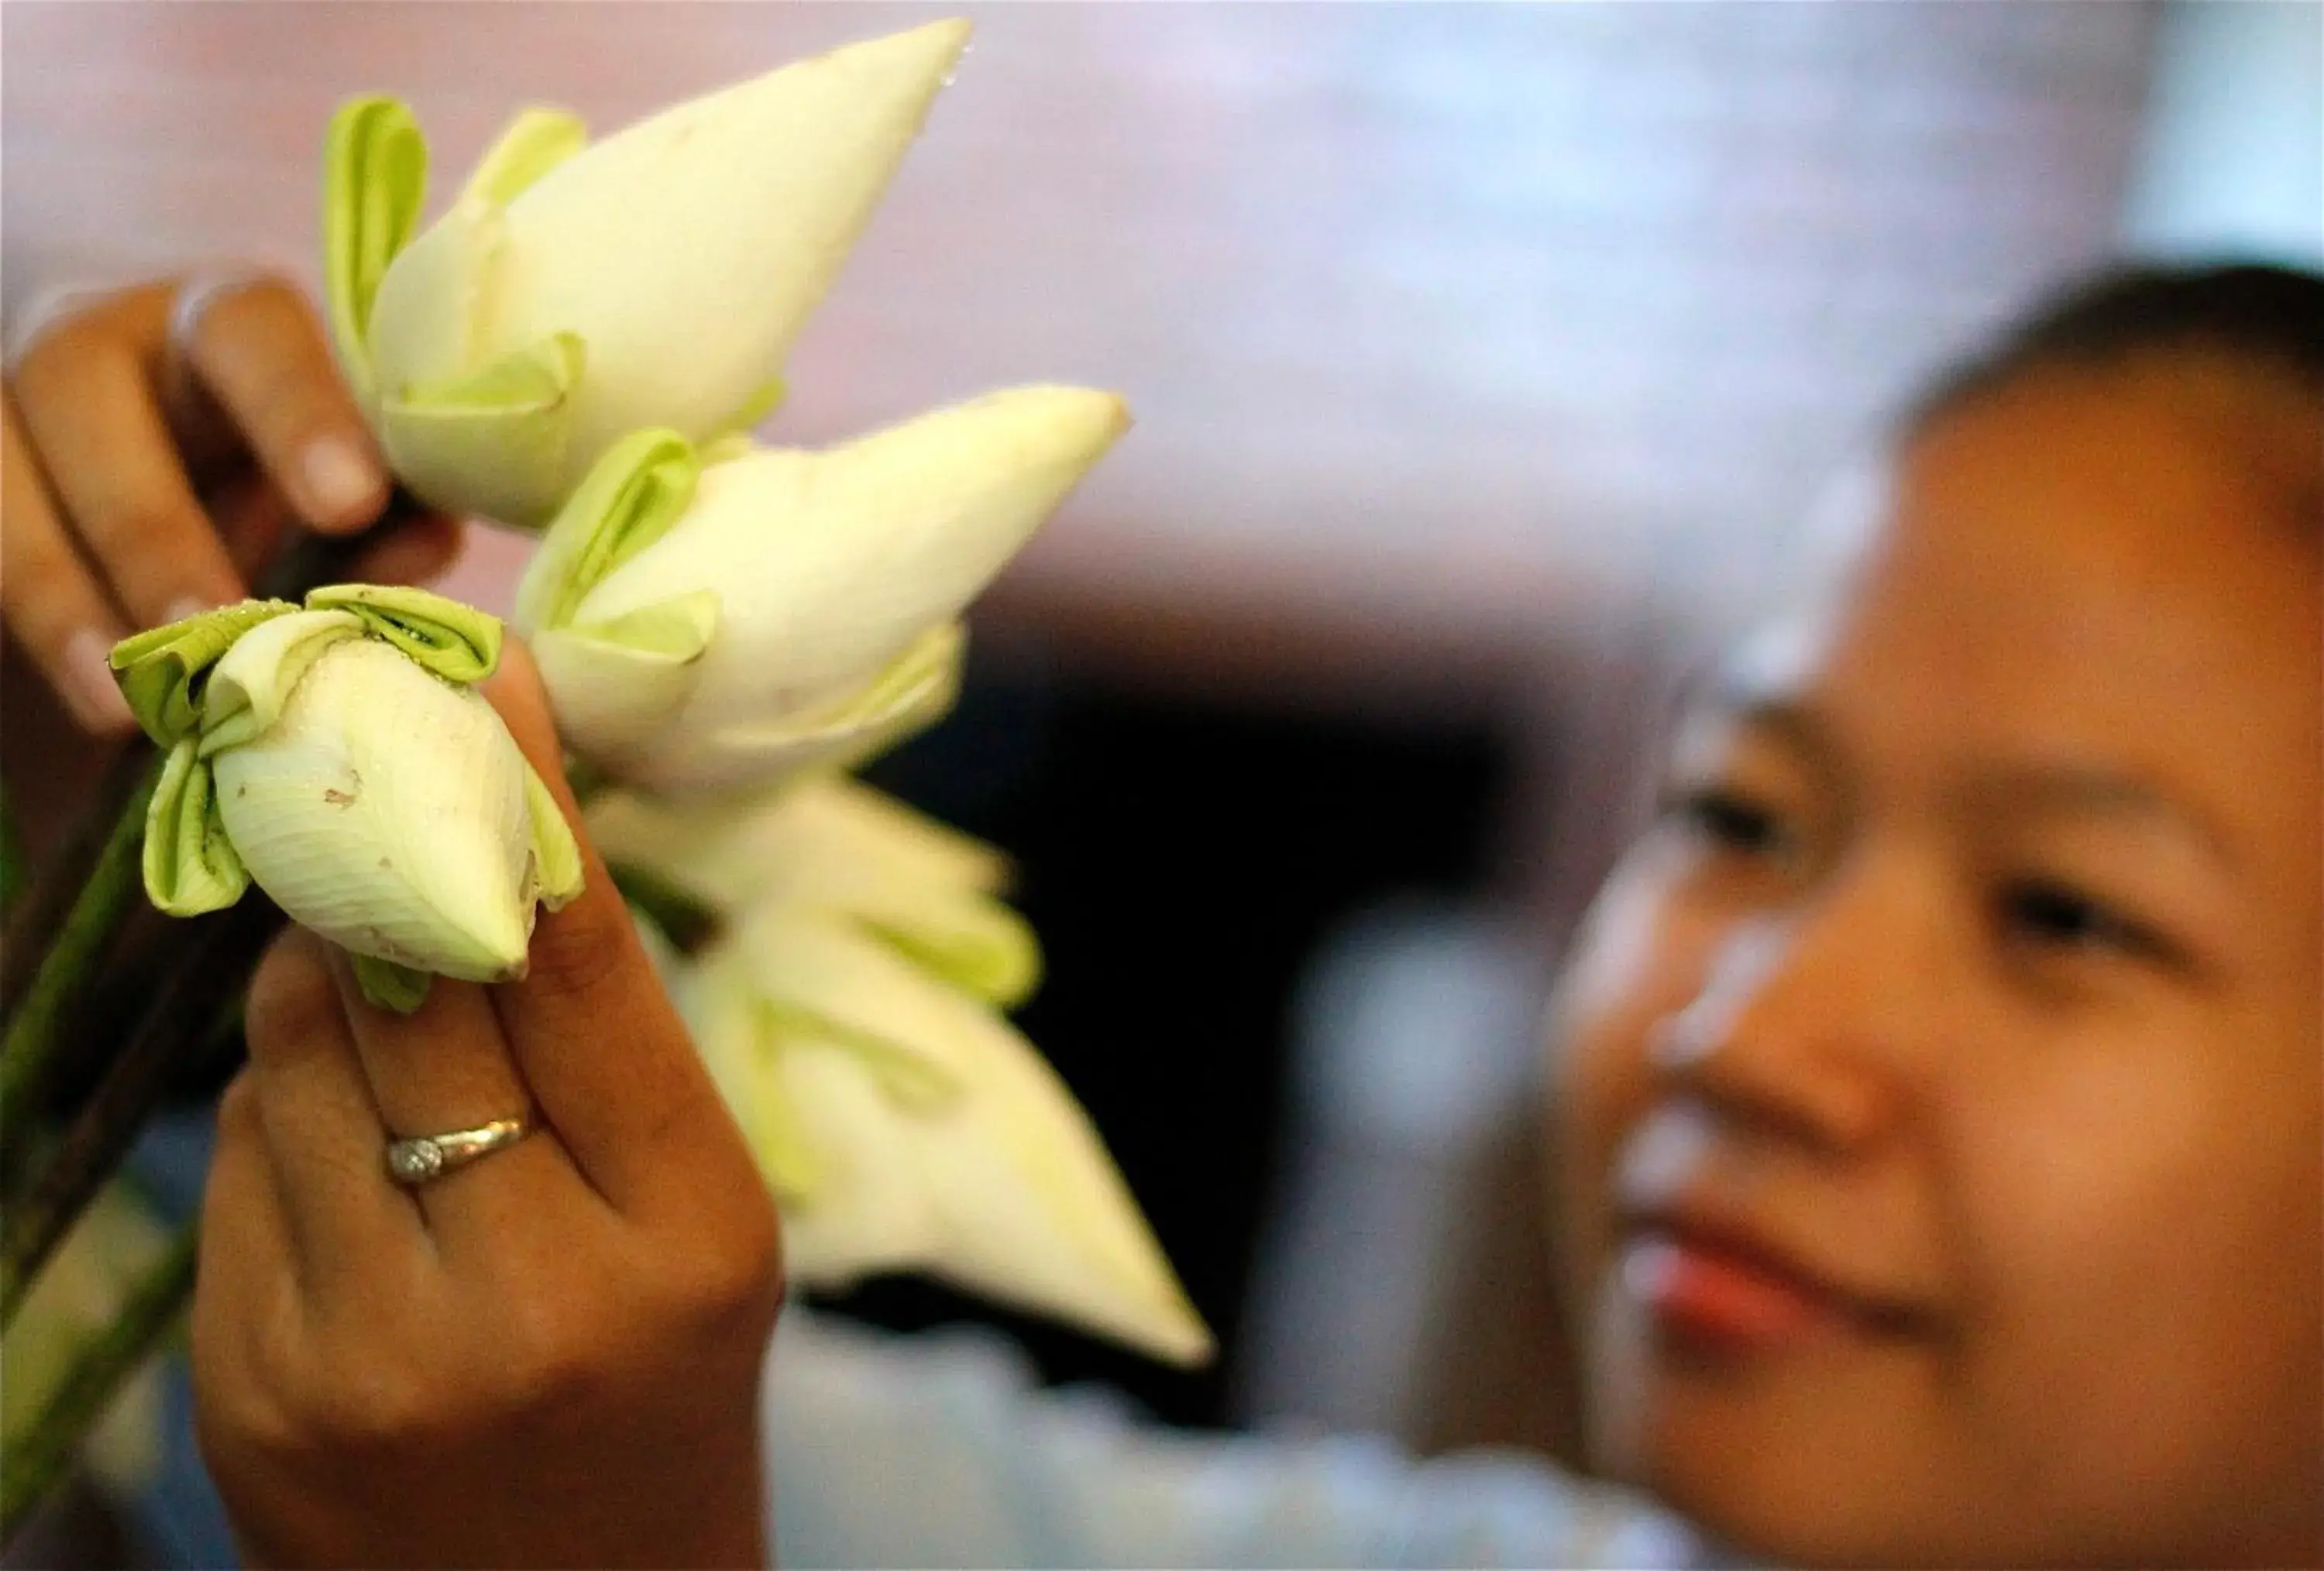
x=940, y=1449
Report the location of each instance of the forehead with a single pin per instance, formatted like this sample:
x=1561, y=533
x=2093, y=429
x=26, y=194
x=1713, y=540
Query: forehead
x=2095, y=568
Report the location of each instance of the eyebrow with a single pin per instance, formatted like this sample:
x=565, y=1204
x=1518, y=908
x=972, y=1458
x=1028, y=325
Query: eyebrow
x=2081, y=791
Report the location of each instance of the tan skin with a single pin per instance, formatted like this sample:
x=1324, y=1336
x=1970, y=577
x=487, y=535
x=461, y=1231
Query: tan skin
x=1973, y=971
x=549, y=1359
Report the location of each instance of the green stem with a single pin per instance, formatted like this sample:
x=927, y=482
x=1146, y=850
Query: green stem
x=53, y=999
x=32, y=1462
x=195, y=1014
x=687, y=922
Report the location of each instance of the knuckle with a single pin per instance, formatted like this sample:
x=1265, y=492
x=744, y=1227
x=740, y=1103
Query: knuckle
x=237, y=1423
x=53, y=359
x=237, y=1111
x=728, y=1282
x=366, y=1408
x=259, y=303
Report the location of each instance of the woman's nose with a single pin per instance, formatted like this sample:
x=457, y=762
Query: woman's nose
x=1805, y=1023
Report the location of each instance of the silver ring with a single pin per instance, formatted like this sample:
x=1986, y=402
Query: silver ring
x=424, y=1159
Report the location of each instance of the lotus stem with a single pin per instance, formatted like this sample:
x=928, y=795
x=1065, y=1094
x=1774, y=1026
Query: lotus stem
x=194, y=1015
x=73, y=910
x=53, y=999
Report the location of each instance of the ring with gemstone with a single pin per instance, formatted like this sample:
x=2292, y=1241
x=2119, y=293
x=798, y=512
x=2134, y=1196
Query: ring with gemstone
x=423, y=1159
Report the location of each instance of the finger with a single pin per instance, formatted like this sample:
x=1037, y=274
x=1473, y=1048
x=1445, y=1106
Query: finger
x=252, y=519
x=88, y=406
x=446, y=1067
x=590, y=1026
x=255, y=520
x=325, y=1138
x=248, y=1271
x=258, y=349
x=416, y=550
x=51, y=601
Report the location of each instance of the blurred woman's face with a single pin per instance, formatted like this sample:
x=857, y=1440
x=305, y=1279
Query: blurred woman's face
x=1941, y=1091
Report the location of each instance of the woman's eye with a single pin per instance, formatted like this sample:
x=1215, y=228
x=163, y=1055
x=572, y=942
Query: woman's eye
x=1734, y=822
x=2061, y=917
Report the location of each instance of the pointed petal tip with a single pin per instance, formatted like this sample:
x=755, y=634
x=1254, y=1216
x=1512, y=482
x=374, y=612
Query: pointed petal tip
x=946, y=38
x=1187, y=1345
x=1098, y=410
x=921, y=59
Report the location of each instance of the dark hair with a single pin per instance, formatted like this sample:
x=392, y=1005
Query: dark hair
x=2266, y=317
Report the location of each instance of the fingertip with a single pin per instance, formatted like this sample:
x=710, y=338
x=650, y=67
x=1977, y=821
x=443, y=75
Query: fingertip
x=86, y=685
x=341, y=485
x=415, y=550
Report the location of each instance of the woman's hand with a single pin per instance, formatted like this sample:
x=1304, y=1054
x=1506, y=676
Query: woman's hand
x=158, y=451
x=548, y=1357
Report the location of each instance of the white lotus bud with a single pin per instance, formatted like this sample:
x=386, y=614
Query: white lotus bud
x=905, y=1125
x=575, y=292
x=849, y=1008
x=708, y=624
x=339, y=757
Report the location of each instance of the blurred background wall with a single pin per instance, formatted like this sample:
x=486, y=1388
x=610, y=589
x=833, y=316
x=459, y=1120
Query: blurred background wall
x=1483, y=357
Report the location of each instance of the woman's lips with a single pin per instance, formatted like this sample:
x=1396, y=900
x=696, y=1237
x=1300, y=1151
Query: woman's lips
x=1726, y=1297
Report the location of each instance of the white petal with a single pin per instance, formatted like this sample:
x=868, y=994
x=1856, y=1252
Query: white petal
x=253, y=679
x=807, y=963
x=720, y=1004
x=731, y=853
x=917, y=690
x=613, y=695
x=428, y=322
x=833, y=845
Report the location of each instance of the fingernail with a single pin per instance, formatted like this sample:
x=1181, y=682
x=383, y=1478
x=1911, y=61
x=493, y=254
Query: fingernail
x=88, y=689
x=185, y=606
x=341, y=481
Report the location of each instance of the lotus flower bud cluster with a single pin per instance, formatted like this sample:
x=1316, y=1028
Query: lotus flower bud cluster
x=851, y=1010
x=338, y=756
